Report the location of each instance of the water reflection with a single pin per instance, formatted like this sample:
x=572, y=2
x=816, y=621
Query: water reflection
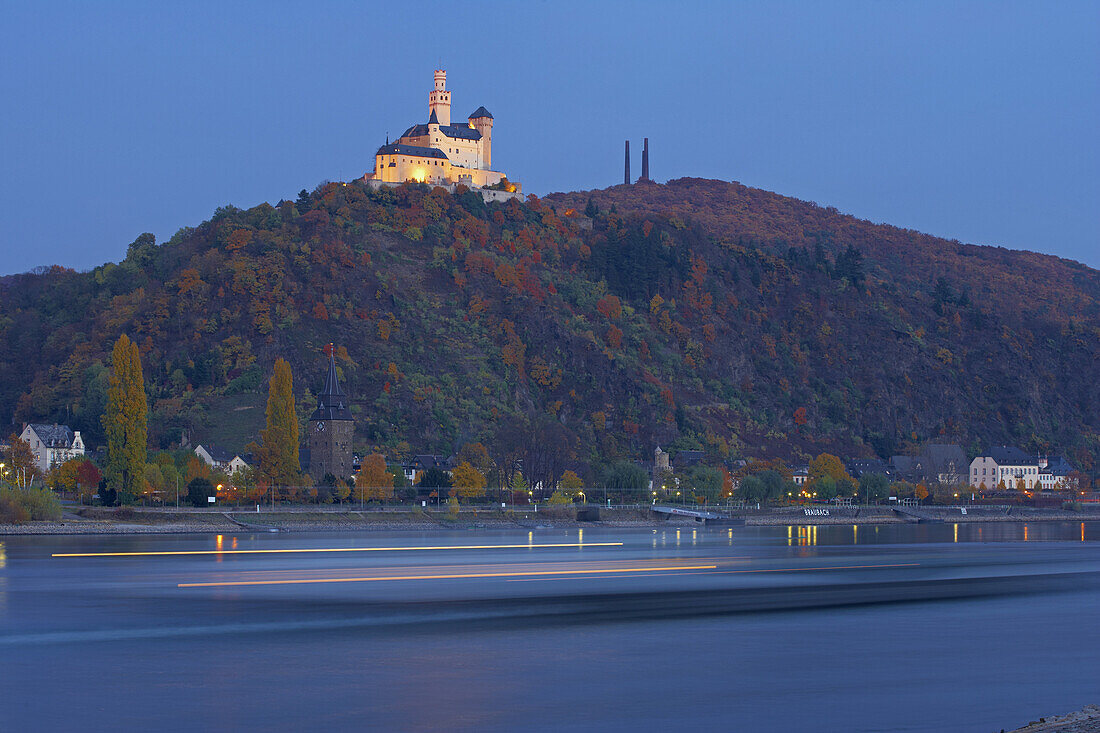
x=946, y=532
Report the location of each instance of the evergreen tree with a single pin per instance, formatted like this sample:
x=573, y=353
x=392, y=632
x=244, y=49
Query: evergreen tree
x=278, y=452
x=125, y=422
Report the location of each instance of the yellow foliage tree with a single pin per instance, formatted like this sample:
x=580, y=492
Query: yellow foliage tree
x=63, y=477
x=278, y=449
x=125, y=422
x=467, y=481
x=828, y=465
x=374, y=482
x=570, y=481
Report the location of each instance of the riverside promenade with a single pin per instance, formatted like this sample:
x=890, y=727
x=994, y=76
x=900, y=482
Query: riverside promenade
x=307, y=518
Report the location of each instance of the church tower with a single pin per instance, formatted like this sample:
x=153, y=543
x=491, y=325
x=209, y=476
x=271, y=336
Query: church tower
x=330, y=428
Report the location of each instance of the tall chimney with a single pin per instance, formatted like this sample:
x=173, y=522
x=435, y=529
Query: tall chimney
x=645, y=159
x=626, y=166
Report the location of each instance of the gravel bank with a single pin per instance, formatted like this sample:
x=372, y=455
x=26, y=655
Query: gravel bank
x=1085, y=720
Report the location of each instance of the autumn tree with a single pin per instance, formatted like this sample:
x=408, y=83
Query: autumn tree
x=477, y=456
x=87, y=479
x=125, y=422
x=341, y=491
x=468, y=481
x=828, y=465
x=570, y=481
x=63, y=477
x=19, y=460
x=374, y=482
x=278, y=449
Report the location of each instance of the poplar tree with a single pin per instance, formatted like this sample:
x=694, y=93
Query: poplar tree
x=125, y=422
x=278, y=452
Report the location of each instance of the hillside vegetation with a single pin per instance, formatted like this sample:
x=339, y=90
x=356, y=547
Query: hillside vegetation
x=692, y=314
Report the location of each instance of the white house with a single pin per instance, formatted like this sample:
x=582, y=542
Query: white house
x=52, y=445
x=1007, y=464
x=221, y=459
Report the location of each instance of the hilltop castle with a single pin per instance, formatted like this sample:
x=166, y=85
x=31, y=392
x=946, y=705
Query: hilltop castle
x=442, y=154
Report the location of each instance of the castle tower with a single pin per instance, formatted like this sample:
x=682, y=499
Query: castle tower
x=330, y=428
x=645, y=160
x=482, y=121
x=439, y=101
x=626, y=166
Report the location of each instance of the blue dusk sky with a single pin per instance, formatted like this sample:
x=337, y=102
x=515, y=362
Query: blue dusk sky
x=974, y=121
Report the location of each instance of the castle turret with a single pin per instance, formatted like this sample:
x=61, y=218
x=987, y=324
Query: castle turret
x=482, y=121
x=439, y=101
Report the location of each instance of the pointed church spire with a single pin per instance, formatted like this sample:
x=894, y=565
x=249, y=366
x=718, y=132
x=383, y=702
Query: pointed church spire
x=332, y=403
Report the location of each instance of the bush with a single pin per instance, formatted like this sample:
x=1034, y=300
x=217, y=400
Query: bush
x=20, y=505
x=41, y=503
x=11, y=510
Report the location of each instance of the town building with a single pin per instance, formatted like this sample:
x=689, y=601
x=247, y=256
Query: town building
x=52, y=445
x=943, y=463
x=1005, y=464
x=415, y=468
x=221, y=459
x=331, y=427
x=865, y=466
x=1054, y=474
x=441, y=153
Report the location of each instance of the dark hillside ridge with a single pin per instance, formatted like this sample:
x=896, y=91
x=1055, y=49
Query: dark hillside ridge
x=695, y=314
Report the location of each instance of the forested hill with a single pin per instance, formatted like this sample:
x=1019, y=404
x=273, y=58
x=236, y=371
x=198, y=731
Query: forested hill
x=692, y=314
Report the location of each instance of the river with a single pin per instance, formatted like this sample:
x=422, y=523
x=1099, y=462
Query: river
x=930, y=627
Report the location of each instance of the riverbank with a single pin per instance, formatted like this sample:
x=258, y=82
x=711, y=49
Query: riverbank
x=89, y=520
x=1085, y=720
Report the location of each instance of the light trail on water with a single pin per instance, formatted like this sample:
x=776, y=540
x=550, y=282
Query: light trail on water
x=454, y=576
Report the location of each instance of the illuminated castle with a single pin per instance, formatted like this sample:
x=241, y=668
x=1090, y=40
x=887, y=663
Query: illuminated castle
x=439, y=153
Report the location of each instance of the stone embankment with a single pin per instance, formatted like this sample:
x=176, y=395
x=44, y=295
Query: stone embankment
x=88, y=520
x=1085, y=720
